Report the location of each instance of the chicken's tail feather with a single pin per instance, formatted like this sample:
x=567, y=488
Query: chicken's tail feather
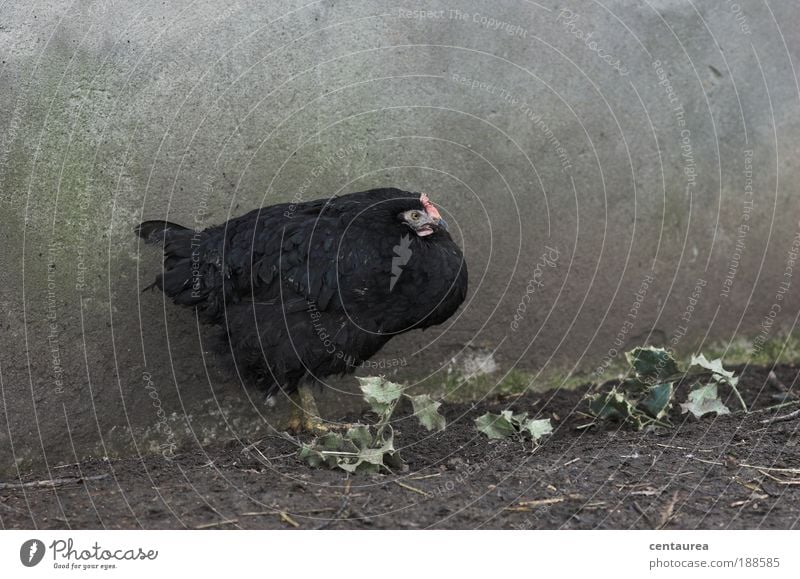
x=176, y=279
x=159, y=231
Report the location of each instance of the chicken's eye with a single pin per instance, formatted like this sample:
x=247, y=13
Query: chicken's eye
x=415, y=215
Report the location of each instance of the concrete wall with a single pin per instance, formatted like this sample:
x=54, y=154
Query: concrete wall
x=628, y=149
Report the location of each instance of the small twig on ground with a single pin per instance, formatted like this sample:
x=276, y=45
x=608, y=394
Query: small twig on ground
x=784, y=418
x=258, y=513
x=267, y=513
x=771, y=469
x=595, y=505
x=753, y=466
x=684, y=447
x=672, y=446
x=286, y=518
x=714, y=462
x=315, y=511
x=525, y=506
x=426, y=476
x=649, y=492
x=540, y=502
x=751, y=486
x=52, y=483
x=780, y=481
x=623, y=486
x=217, y=524
x=413, y=489
x=560, y=466
x=748, y=500
x=774, y=407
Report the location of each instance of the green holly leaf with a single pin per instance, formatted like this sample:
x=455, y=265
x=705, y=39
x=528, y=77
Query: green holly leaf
x=357, y=451
x=507, y=425
x=612, y=404
x=652, y=364
x=380, y=455
x=704, y=400
x=328, y=450
x=496, y=425
x=515, y=419
x=537, y=428
x=311, y=455
x=714, y=365
x=656, y=402
x=634, y=385
x=379, y=393
x=361, y=451
x=360, y=436
x=427, y=412
x=720, y=375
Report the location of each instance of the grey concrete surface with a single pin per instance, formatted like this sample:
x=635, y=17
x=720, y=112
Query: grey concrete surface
x=622, y=172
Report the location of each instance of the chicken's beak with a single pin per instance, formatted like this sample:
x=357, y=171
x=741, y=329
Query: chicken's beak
x=435, y=220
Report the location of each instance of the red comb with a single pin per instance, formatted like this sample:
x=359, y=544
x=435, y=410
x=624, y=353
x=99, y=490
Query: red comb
x=429, y=208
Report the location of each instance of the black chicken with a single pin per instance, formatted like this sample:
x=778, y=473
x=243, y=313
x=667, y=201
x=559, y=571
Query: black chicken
x=308, y=290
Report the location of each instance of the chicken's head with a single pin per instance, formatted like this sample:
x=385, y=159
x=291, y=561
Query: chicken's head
x=424, y=221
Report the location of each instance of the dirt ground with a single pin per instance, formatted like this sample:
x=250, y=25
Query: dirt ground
x=734, y=471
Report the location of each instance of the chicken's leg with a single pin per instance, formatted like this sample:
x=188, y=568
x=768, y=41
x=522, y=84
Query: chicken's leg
x=305, y=416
